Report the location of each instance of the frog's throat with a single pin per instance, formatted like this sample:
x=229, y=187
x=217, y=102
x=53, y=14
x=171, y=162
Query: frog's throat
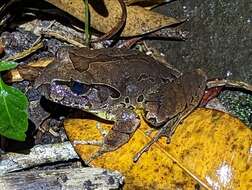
x=110, y=116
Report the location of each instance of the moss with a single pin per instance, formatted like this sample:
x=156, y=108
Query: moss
x=239, y=104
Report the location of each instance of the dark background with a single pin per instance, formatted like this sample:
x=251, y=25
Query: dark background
x=220, y=37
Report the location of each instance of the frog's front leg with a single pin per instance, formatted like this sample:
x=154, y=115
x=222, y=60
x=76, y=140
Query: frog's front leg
x=126, y=123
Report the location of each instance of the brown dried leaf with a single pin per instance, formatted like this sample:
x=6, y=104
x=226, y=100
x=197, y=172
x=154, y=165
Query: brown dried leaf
x=27, y=72
x=107, y=15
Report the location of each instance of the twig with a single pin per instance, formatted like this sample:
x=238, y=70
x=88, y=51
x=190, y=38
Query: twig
x=191, y=174
x=197, y=179
x=229, y=83
x=87, y=25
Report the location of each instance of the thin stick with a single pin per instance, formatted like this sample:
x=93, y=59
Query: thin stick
x=203, y=184
x=118, y=27
x=229, y=83
x=161, y=147
x=87, y=25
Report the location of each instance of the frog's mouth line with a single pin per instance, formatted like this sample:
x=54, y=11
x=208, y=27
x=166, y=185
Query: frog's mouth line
x=79, y=88
x=79, y=95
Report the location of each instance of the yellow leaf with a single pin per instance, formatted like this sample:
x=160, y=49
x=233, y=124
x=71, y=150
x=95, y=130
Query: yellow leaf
x=139, y=20
x=214, y=146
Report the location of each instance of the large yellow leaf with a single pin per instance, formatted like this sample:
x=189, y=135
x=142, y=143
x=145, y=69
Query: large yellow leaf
x=139, y=20
x=214, y=146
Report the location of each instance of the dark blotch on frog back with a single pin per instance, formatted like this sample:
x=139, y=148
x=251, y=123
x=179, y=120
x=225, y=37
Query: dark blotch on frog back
x=105, y=91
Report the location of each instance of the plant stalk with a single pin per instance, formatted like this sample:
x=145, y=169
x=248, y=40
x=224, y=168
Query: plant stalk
x=87, y=24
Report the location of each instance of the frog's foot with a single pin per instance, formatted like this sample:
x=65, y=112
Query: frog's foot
x=88, y=142
x=101, y=130
x=166, y=131
x=99, y=143
x=97, y=154
x=103, y=149
x=112, y=141
x=125, y=125
x=148, y=132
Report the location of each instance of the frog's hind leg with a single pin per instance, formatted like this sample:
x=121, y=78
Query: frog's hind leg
x=167, y=130
x=125, y=125
x=112, y=141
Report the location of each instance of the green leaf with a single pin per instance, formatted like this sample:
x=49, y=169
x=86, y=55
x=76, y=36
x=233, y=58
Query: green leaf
x=13, y=112
x=7, y=65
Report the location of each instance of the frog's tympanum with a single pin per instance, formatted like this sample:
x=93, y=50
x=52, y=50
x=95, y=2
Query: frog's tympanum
x=113, y=83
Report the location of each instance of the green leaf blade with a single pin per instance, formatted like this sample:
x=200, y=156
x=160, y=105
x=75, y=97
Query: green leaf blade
x=7, y=65
x=13, y=112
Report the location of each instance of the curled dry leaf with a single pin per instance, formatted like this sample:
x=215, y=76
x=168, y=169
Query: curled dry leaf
x=104, y=15
x=27, y=72
x=146, y=3
x=214, y=146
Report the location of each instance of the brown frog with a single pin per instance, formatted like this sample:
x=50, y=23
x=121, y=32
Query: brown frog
x=113, y=83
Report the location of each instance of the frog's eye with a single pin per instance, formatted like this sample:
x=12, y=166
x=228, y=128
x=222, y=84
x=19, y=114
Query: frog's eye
x=78, y=88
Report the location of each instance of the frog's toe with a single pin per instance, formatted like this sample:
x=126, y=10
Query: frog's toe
x=149, y=132
x=103, y=148
x=101, y=130
x=88, y=142
x=97, y=154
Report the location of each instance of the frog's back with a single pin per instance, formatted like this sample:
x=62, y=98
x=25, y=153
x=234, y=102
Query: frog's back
x=126, y=70
x=131, y=73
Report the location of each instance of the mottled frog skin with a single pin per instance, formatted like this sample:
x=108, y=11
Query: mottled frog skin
x=114, y=83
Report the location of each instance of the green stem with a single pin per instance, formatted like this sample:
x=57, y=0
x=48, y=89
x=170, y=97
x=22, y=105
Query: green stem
x=87, y=34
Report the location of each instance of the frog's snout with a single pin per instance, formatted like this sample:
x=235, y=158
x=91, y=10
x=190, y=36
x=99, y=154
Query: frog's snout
x=44, y=90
